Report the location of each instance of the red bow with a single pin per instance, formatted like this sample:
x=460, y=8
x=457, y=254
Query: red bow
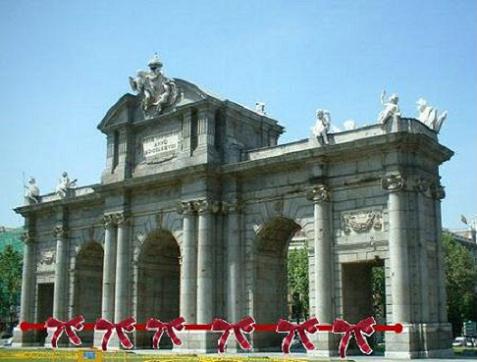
x=158, y=326
x=125, y=325
x=77, y=323
x=246, y=325
x=309, y=326
x=361, y=329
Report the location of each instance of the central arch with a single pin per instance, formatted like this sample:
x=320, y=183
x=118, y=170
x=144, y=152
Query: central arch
x=158, y=283
x=271, y=287
x=88, y=285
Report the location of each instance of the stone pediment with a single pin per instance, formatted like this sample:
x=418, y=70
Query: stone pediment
x=128, y=108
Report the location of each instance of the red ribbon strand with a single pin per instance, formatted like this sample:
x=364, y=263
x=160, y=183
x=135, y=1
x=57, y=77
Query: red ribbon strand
x=309, y=326
x=170, y=328
x=69, y=327
x=126, y=325
x=246, y=325
x=363, y=328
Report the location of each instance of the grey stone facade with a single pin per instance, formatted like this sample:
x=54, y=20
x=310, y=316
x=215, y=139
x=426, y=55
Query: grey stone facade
x=195, y=211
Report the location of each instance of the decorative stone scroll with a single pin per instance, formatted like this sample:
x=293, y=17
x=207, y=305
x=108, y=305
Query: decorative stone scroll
x=318, y=193
x=362, y=221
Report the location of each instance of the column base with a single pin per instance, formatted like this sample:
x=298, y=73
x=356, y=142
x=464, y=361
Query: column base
x=23, y=339
x=113, y=345
x=420, y=340
x=326, y=344
x=198, y=342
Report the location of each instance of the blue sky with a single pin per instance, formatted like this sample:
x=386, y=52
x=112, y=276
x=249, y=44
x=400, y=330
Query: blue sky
x=64, y=63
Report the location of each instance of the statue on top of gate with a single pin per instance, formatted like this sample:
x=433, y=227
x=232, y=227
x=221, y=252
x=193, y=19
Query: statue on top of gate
x=157, y=91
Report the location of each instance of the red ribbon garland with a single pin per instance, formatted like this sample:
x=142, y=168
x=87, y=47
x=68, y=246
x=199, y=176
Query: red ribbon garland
x=246, y=325
x=69, y=327
x=126, y=325
x=158, y=326
x=363, y=328
x=309, y=326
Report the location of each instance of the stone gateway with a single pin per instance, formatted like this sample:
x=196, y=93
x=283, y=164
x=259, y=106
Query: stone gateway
x=197, y=206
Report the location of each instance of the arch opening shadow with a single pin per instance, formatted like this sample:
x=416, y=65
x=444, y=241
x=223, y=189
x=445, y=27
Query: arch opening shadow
x=158, y=284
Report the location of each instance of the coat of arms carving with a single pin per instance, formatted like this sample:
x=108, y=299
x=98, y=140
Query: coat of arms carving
x=156, y=90
x=362, y=221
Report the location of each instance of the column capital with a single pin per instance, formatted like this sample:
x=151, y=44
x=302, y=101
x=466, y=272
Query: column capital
x=393, y=182
x=207, y=206
x=437, y=191
x=318, y=193
x=185, y=207
x=121, y=219
x=28, y=237
x=108, y=220
x=59, y=232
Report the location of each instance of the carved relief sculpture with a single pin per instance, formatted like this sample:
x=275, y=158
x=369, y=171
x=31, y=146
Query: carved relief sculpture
x=362, y=221
x=157, y=91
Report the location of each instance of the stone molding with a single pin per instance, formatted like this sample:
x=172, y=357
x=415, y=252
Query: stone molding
x=231, y=207
x=393, y=182
x=319, y=193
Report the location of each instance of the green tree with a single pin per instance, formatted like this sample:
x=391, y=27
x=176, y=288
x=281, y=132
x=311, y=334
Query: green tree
x=10, y=281
x=461, y=276
x=298, y=275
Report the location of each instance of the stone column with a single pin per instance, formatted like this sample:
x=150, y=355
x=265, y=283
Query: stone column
x=59, y=295
x=122, y=267
x=438, y=194
x=28, y=289
x=188, y=293
x=323, y=272
x=422, y=214
x=109, y=268
x=233, y=294
x=323, y=258
x=205, y=267
x=398, y=248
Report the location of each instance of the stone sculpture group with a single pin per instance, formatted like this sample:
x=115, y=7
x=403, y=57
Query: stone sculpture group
x=427, y=115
